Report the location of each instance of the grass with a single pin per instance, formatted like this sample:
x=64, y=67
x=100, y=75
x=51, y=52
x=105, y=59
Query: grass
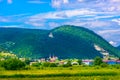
x=60, y=73
x=69, y=78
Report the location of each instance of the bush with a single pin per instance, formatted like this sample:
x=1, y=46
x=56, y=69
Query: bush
x=68, y=64
x=27, y=67
x=104, y=65
x=52, y=65
x=13, y=64
x=46, y=64
x=97, y=67
x=27, y=61
x=117, y=66
x=36, y=64
x=1, y=68
x=1, y=63
x=79, y=61
x=98, y=61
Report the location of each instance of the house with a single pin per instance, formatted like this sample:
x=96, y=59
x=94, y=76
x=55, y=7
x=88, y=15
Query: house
x=111, y=62
x=74, y=63
x=118, y=61
x=61, y=62
x=53, y=59
x=87, y=62
x=41, y=60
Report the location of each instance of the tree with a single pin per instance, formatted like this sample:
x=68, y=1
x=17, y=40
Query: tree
x=119, y=58
x=98, y=61
x=13, y=64
x=103, y=65
x=68, y=64
x=36, y=64
x=27, y=61
x=46, y=64
x=52, y=65
x=79, y=61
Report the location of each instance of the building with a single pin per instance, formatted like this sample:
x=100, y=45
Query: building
x=111, y=62
x=87, y=62
x=118, y=61
x=53, y=59
x=74, y=63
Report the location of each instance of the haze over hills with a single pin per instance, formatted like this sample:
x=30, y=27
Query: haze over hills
x=65, y=42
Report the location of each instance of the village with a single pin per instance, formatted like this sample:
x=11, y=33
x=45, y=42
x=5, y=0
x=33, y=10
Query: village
x=56, y=60
x=108, y=59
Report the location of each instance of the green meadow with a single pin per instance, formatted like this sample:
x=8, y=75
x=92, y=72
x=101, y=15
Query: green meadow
x=63, y=73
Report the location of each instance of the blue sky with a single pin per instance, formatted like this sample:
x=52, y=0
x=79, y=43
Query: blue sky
x=101, y=16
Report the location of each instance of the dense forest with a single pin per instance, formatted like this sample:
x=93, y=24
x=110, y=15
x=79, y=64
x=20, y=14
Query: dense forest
x=64, y=42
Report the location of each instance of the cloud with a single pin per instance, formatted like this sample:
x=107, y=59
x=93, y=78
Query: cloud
x=36, y=2
x=66, y=14
x=53, y=25
x=115, y=0
x=9, y=1
x=98, y=5
x=56, y=3
x=79, y=17
x=3, y=19
x=65, y=1
x=117, y=20
x=34, y=21
x=98, y=23
x=110, y=31
x=80, y=0
x=50, y=15
x=92, y=24
x=111, y=35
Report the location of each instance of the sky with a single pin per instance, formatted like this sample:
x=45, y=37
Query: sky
x=101, y=16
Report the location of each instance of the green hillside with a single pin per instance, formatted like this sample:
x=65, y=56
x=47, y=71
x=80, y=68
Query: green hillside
x=64, y=42
x=118, y=47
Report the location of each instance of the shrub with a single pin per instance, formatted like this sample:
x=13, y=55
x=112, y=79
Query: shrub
x=68, y=64
x=79, y=61
x=46, y=64
x=36, y=64
x=13, y=64
x=52, y=65
x=98, y=61
x=104, y=65
x=27, y=68
x=27, y=61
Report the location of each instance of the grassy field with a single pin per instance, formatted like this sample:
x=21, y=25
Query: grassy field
x=60, y=73
x=68, y=78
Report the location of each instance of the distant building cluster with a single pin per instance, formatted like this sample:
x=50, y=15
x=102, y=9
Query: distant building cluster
x=54, y=59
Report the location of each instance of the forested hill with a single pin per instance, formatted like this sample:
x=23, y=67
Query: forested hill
x=64, y=41
x=118, y=47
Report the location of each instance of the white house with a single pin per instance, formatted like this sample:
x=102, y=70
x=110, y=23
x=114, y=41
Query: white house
x=87, y=62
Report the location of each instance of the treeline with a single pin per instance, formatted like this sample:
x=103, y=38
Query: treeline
x=12, y=64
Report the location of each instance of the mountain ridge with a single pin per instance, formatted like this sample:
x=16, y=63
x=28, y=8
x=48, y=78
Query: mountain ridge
x=65, y=42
